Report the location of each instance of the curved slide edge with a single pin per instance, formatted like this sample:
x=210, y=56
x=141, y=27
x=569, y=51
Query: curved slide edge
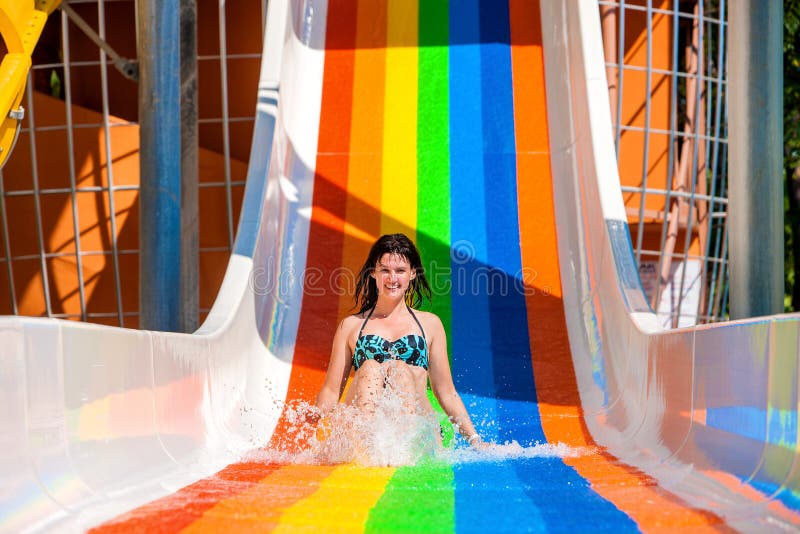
x=711, y=411
x=96, y=420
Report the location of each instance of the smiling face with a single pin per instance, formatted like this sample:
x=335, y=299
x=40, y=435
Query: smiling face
x=393, y=274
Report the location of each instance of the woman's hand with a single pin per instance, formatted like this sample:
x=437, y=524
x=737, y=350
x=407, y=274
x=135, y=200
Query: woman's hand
x=476, y=442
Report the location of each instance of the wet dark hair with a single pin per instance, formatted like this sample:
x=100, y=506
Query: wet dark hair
x=367, y=290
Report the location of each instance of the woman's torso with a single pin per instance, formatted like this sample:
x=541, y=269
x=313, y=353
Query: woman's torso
x=404, y=343
x=390, y=342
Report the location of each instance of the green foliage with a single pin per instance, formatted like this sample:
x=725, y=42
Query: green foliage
x=791, y=82
x=791, y=134
x=55, y=84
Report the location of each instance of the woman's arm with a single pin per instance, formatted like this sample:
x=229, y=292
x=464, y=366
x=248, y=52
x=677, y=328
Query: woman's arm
x=338, y=367
x=442, y=383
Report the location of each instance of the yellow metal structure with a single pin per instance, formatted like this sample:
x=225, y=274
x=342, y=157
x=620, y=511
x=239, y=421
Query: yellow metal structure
x=21, y=23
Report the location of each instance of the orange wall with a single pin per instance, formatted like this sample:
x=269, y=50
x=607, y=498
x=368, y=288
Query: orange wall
x=243, y=19
x=94, y=218
x=633, y=114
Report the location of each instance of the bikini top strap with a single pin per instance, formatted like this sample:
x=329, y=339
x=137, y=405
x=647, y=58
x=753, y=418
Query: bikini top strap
x=365, y=321
x=418, y=323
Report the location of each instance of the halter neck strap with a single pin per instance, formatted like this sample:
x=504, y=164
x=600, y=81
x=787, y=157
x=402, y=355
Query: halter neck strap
x=413, y=315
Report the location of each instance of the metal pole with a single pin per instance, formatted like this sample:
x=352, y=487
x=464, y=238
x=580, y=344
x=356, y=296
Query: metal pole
x=160, y=164
x=73, y=179
x=190, y=294
x=226, y=137
x=647, y=114
x=112, y=210
x=715, y=154
x=37, y=197
x=620, y=74
x=755, y=168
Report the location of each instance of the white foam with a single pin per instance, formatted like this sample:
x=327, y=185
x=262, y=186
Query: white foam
x=493, y=452
x=393, y=433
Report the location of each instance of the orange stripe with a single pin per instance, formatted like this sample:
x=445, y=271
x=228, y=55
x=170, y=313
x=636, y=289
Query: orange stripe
x=260, y=507
x=735, y=485
x=318, y=314
x=630, y=490
x=366, y=147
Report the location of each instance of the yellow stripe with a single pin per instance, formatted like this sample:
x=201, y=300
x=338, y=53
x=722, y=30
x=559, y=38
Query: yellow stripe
x=399, y=192
x=342, y=503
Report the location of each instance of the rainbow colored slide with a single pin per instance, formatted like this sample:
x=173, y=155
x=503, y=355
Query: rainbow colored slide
x=480, y=128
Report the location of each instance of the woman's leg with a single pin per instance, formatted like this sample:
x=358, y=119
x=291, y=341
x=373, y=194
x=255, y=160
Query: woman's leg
x=368, y=384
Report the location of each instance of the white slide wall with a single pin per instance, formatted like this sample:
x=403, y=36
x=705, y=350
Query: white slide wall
x=710, y=412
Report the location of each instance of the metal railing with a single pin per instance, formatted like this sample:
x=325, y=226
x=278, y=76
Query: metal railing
x=22, y=295
x=679, y=192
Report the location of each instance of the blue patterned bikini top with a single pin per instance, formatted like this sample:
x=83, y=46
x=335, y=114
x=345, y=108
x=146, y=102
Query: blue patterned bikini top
x=410, y=348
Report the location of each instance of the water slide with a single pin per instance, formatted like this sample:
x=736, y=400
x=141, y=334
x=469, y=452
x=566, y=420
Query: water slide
x=482, y=130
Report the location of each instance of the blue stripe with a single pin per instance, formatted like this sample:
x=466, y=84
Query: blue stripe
x=490, y=498
x=472, y=371
x=788, y=496
x=471, y=338
x=508, y=319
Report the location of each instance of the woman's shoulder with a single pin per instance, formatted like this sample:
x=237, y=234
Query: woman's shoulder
x=428, y=319
x=352, y=320
x=349, y=326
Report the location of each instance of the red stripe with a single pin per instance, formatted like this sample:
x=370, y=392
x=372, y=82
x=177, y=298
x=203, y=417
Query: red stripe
x=319, y=311
x=183, y=507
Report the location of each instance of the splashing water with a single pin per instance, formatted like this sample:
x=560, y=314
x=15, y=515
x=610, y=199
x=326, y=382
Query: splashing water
x=392, y=431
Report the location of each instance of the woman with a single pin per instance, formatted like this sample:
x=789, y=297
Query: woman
x=391, y=345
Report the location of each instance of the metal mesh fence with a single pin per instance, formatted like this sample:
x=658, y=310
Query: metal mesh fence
x=665, y=61
x=68, y=195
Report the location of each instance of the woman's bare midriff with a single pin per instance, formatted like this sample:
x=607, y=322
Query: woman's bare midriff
x=418, y=386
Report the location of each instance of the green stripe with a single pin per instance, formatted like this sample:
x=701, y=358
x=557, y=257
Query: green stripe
x=433, y=153
x=433, y=161
x=419, y=498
